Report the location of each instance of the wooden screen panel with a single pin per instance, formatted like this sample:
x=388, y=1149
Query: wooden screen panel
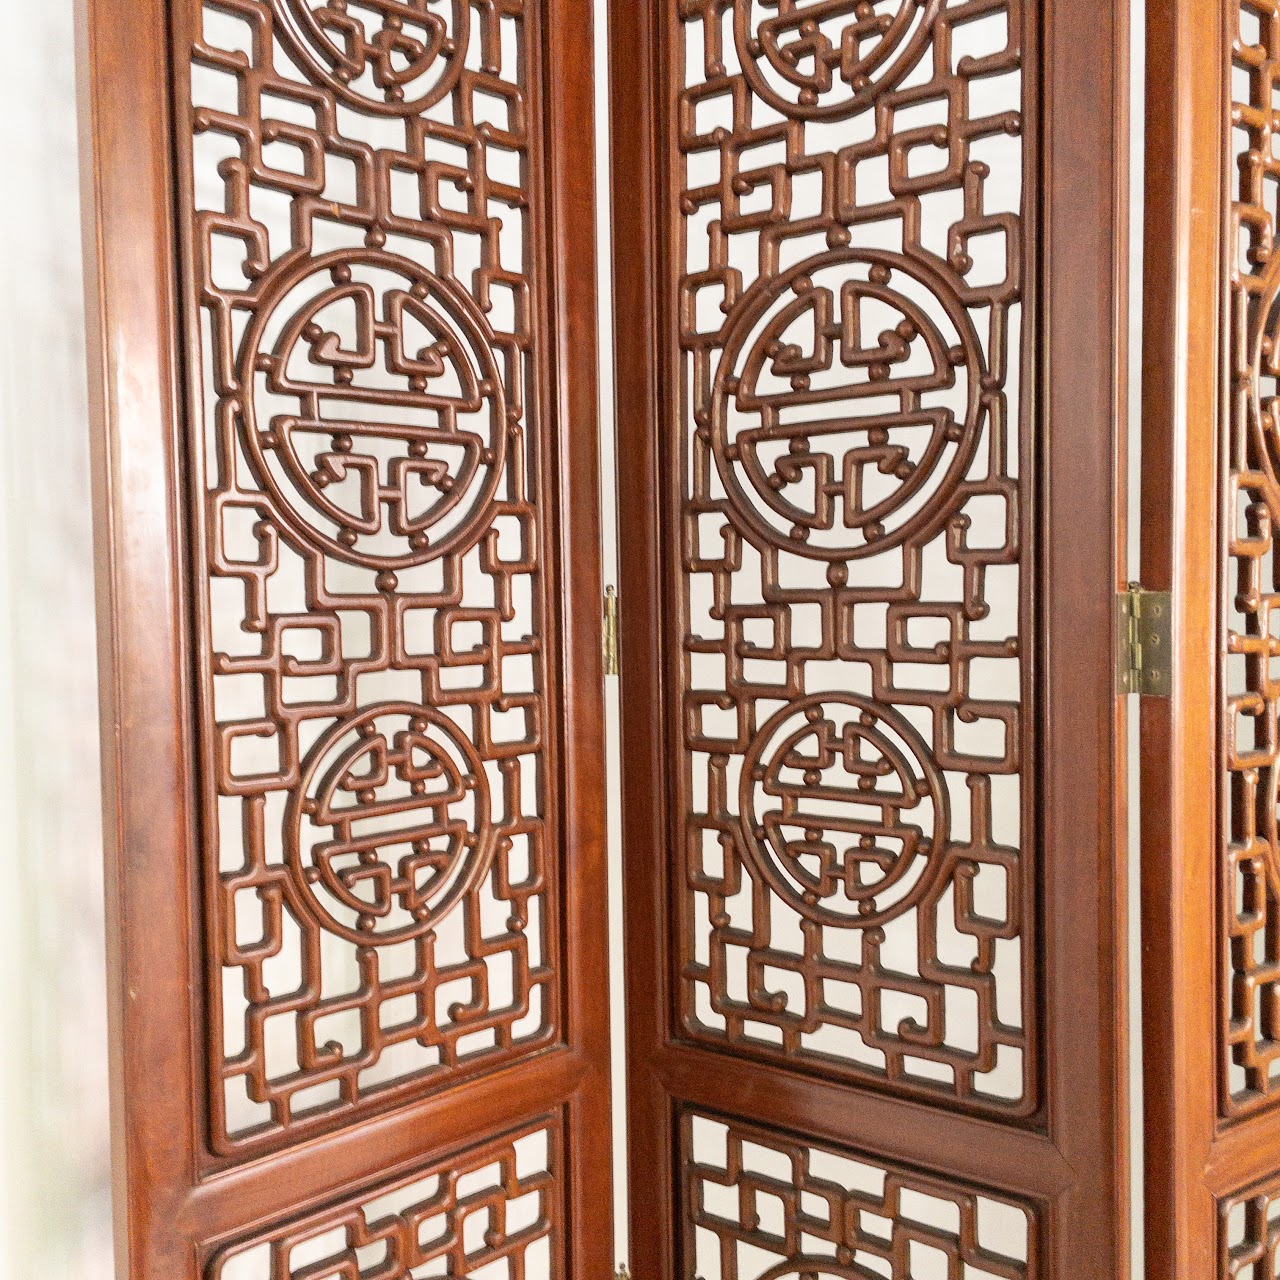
x=858, y=896
x=1251, y=885
x=750, y=1192
x=375, y=618
x=497, y=1208
x=1250, y=1244
x=1211, y=894
x=338, y=624
x=870, y=586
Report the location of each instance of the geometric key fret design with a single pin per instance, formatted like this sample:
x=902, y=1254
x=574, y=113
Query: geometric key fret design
x=362, y=203
x=1250, y=884
x=855, y=448
x=757, y=1204
x=1250, y=1234
x=494, y=1211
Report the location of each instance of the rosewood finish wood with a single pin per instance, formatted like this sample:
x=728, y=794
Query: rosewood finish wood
x=747, y=1188
x=855, y=600
x=1251, y=886
x=1209, y=850
x=374, y=609
x=869, y=278
x=349, y=566
x=497, y=1205
x=1250, y=1231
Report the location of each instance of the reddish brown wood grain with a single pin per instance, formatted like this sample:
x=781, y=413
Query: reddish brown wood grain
x=1211, y=1144
x=1069, y=1158
x=129, y=259
x=176, y=1202
x=1179, y=499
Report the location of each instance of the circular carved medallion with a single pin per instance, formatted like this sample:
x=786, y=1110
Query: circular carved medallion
x=816, y=1267
x=390, y=825
x=843, y=812
x=818, y=59
x=394, y=57
x=1264, y=372
x=373, y=408
x=847, y=404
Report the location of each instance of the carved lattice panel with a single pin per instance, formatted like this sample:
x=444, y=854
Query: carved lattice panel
x=1250, y=1225
x=757, y=1204
x=1251, y=880
x=372, y=638
x=860, y=853
x=495, y=1211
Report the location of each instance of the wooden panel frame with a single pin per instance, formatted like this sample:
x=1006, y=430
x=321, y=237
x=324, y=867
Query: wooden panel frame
x=1181, y=289
x=1196, y=1162
x=165, y=1207
x=1072, y=1157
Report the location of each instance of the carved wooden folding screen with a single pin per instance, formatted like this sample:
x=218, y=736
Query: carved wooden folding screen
x=867, y=266
x=345, y=472
x=867, y=263
x=1211, y=858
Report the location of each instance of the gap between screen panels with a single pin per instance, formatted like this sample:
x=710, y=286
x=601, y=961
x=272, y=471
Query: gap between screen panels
x=609, y=536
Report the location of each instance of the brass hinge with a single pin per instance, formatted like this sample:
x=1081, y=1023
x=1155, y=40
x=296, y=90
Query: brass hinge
x=623, y=1272
x=610, y=631
x=1144, y=642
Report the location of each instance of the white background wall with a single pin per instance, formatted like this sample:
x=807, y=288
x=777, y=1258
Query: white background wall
x=54, y=1217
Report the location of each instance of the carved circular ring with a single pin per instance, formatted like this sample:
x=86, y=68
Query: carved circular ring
x=390, y=825
x=822, y=59
x=391, y=57
x=843, y=811
x=1264, y=372
x=373, y=409
x=815, y=1267
x=847, y=404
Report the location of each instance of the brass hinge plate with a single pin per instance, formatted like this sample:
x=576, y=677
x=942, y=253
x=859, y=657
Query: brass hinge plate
x=623, y=1272
x=1144, y=642
x=610, y=631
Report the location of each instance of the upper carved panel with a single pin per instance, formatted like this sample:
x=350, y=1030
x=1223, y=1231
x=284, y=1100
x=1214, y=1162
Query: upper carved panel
x=370, y=639
x=848, y=242
x=1251, y=866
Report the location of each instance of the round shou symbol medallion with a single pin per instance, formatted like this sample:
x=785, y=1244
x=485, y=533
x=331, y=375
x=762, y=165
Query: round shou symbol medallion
x=373, y=409
x=390, y=825
x=393, y=57
x=842, y=810
x=819, y=59
x=815, y=1267
x=847, y=404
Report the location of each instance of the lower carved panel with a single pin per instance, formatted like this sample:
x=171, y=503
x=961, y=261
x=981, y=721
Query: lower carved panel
x=759, y=1205
x=1251, y=1234
x=495, y=1211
